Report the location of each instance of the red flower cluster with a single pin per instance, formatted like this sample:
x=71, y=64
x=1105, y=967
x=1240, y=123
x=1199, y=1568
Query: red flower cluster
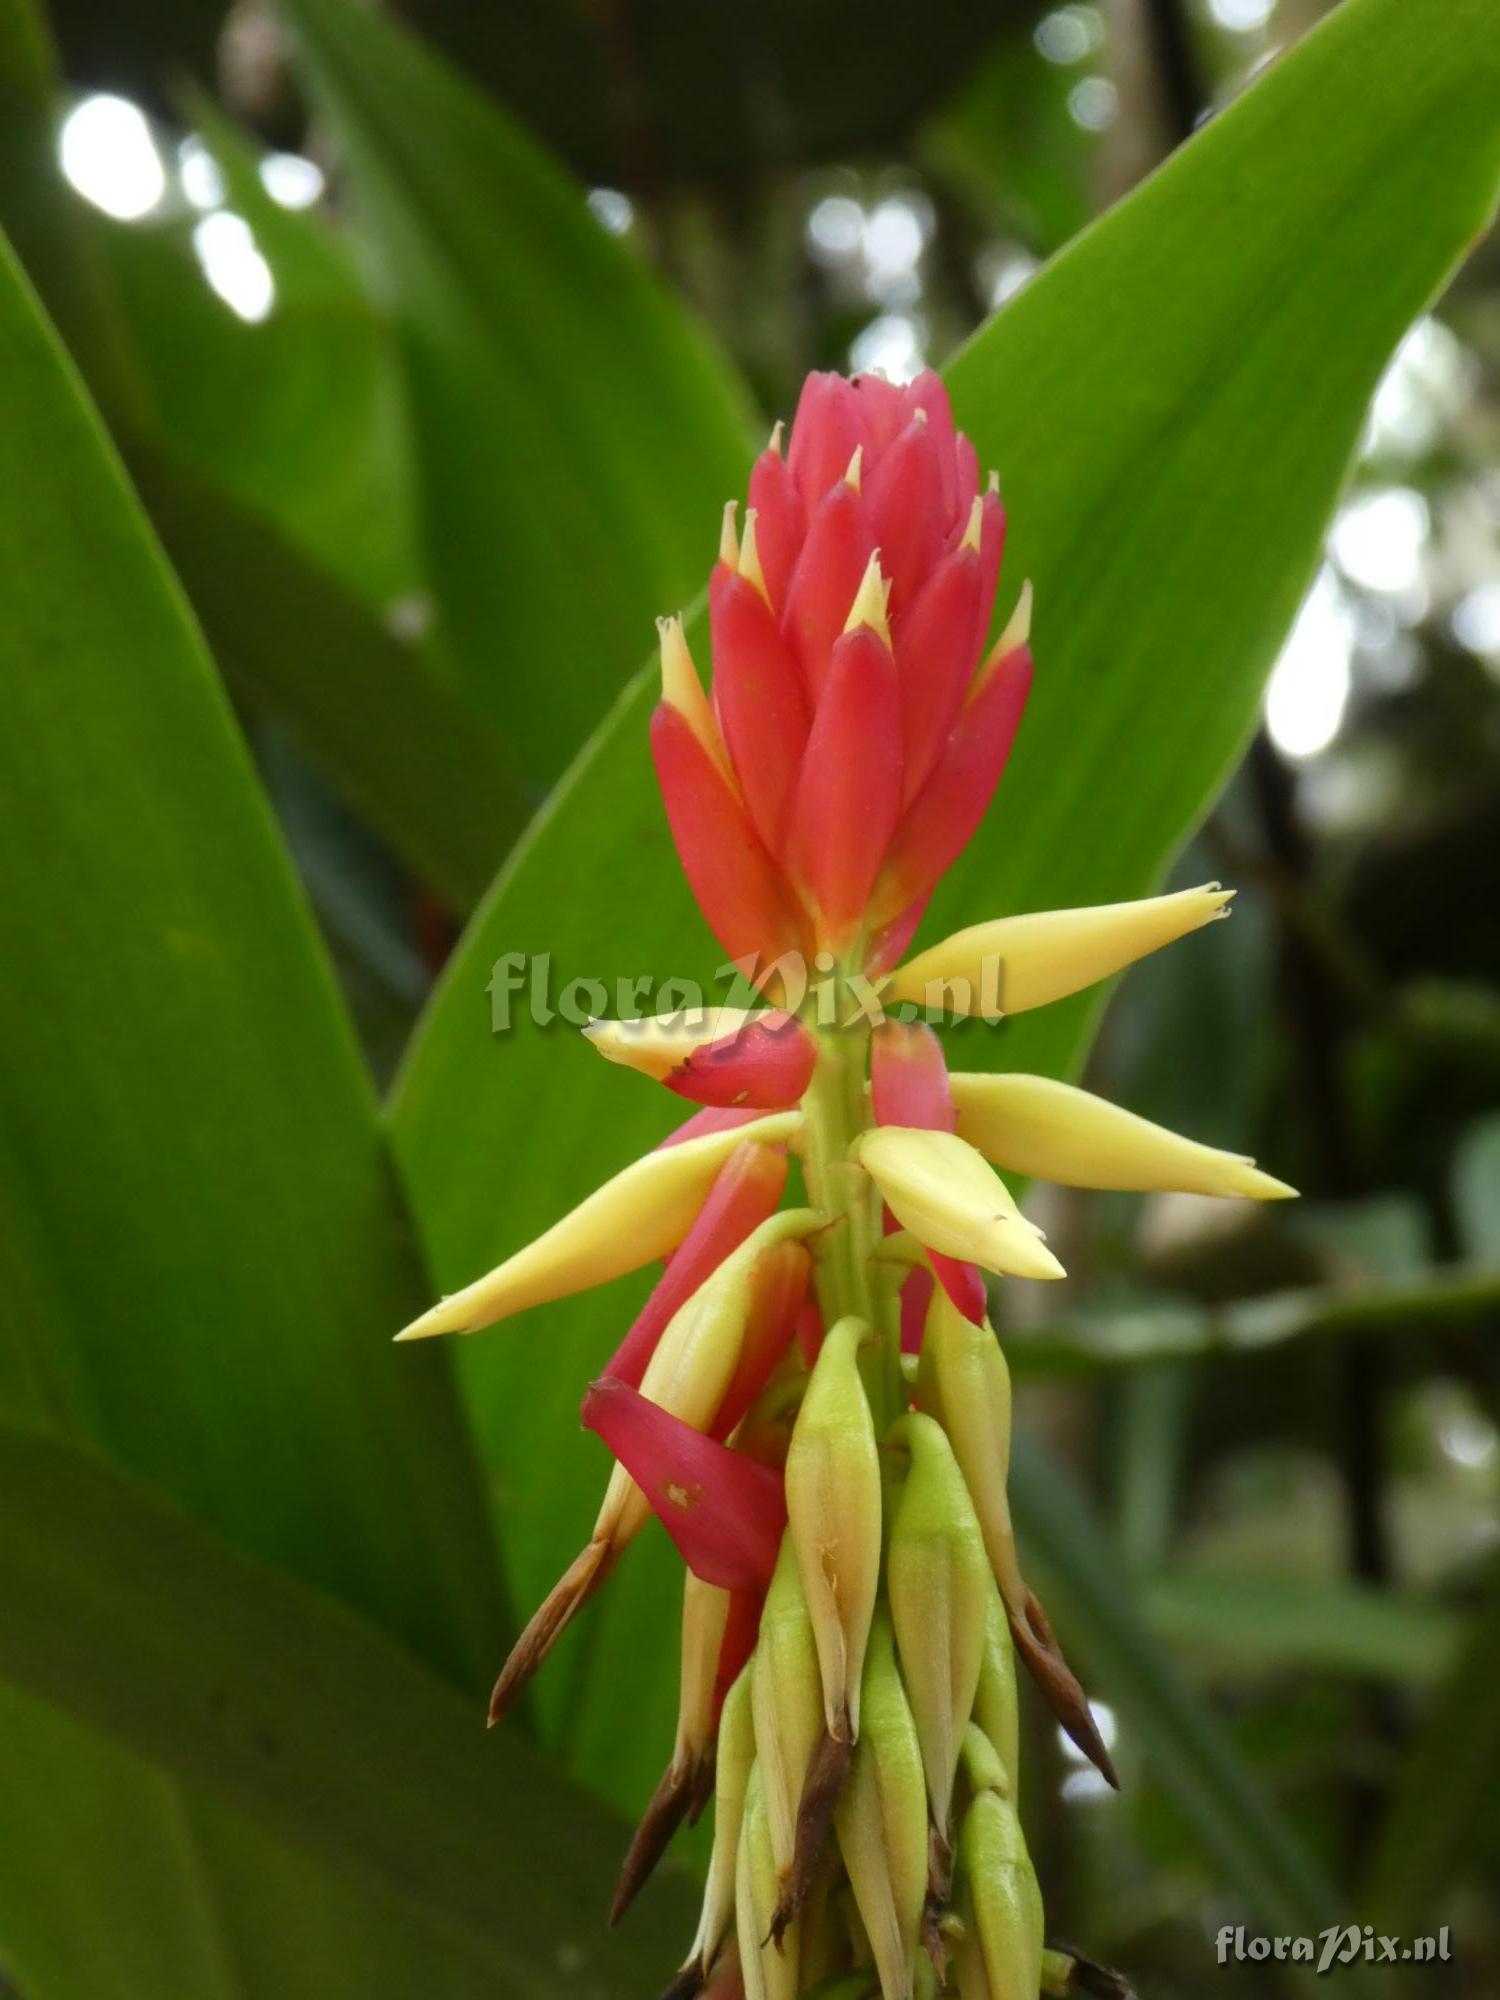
x=857, y=731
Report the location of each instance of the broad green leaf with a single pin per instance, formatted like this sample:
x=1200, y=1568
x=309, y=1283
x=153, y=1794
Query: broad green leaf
x=200, y=1247
x=1172, y=406
x=576, y=435
x=270, y=1699
x=1445, y=1789
x=1084, y=1585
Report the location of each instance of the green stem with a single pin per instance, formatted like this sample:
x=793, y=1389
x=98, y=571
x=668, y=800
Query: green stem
x=835, y=1112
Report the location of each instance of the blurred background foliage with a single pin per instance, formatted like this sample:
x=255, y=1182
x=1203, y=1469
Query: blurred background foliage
x=431, y=364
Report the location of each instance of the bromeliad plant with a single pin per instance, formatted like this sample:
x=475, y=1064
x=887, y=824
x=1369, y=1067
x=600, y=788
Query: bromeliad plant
x=812, y=1400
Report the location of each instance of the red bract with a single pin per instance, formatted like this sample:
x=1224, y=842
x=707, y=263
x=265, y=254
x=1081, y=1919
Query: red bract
x=724, y=1512
x=766, y=1064
x=747, y=1190
x=909, y=1086
x=853, y=740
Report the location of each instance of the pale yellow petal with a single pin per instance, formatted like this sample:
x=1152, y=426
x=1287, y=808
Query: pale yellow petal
x=939, y=1188
x=1034, y=1126
x=658, y=1043
x=1013, y=963
x=640, y=1215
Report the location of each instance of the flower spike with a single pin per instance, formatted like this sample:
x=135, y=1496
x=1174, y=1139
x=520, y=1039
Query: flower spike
x=812, y=1400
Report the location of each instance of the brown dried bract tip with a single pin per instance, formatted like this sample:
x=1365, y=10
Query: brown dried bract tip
x=820, y=1794
x=689, y=1983
x=1059, y=1684
x=576, y=1585
x=1088, y=1976
x=935, y=1944
x=661, y=1819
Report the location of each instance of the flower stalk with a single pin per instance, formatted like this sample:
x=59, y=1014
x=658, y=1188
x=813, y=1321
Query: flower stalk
x=813, y=1401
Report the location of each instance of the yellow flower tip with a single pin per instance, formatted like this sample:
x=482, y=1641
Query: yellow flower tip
x=778, y=432
x=750, y=568
x=869, y=606
x=974, y=527
x=1018, y=626
x=656, y=1044
x=1259, y=1186
x=681, y=689
x=856, y=468
x=729, y=546
x=992, y=484
x=445, y=1317
x=1014, y=963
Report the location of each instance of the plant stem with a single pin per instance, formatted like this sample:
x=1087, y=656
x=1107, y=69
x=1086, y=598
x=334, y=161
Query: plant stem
x=835, y=1112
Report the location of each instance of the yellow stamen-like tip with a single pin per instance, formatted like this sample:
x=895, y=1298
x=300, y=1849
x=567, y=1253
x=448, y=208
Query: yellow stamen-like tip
x=729, y=544
x=750, y=568
x=1018, y=626
x=974, y=526
x=778, y=432
x=856, y=468
x=869, y=603
x=992, y=484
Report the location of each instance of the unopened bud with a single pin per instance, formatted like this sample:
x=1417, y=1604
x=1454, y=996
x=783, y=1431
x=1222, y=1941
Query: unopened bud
x=999, y=1952
x=996, y=1710
x=833, y=1507
x=881, y=1820
x=939, y=1581
x=952, y=1200
x=963, y=1381
x=787, y=1702
x=770, y=1970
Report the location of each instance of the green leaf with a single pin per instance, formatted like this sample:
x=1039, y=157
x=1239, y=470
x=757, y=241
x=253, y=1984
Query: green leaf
x=274, y=1701
x=203, y=1248
x=1172, y=405
x=200, y=1248
x=1238, y=1623
x=1445, y=1789
x=576, y=434
x=272, y=459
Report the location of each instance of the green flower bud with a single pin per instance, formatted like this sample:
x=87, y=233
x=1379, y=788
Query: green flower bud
x=939, y=1581
x=995, y=1705
x=787, y=1703
x=881, y=1820
x=963, y=1382
x=833, y=1508
x=998, y=1955
x=770, y=1971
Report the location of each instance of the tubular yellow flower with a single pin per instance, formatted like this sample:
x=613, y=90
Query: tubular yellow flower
x=964, y=1383
x=1014, y=963
x=642, y=1214
x=833, y=1507
x=999, y=1956
x=1035, y=1126
x=770, y=1971
x=940, y=1189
